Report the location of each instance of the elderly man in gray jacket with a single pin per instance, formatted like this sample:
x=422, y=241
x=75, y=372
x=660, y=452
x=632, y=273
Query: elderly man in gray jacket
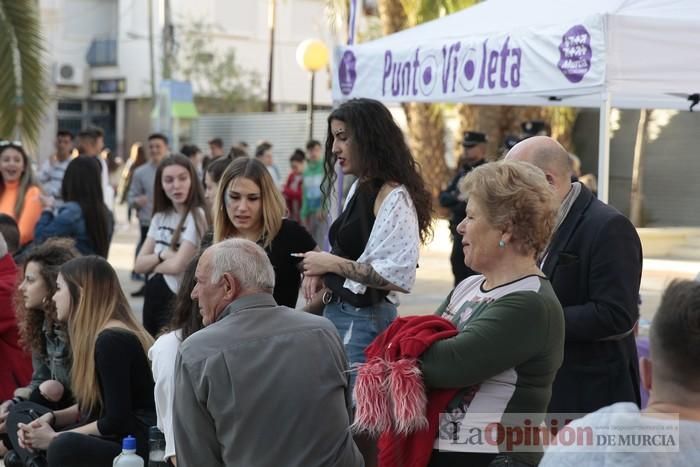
x=261, y=384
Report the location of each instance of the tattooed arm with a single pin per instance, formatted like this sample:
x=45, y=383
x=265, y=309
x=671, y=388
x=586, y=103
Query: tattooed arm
x=319, y=263
x=365, y=274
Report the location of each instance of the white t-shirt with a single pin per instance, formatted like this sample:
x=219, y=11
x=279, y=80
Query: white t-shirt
x=107, y=190
x=162, y=228
x=162, y=356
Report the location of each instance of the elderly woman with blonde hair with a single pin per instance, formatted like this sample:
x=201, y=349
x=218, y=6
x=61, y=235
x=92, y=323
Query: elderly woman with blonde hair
x=511, y=325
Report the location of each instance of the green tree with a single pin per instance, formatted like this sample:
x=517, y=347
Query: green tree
x=426, y=121
x=23, y=95
x=426, y=125
x=221, y=85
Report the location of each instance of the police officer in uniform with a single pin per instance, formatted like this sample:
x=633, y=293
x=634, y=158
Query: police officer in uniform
x=474, y=144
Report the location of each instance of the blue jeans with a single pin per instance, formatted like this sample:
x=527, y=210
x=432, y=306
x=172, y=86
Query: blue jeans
x=358, y=327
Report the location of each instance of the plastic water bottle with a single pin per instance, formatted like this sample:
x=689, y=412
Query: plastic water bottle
x=156, y=448
x=128, y=457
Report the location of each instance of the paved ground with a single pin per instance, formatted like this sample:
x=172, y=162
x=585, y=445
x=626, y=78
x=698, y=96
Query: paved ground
x=434, y=279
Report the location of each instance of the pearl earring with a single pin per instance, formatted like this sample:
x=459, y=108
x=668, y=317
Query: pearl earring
x=501, y=244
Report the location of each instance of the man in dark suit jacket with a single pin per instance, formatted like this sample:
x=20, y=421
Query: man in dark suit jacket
x=594, y=262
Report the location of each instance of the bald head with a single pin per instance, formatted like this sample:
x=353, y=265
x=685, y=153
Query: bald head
x=550, y=156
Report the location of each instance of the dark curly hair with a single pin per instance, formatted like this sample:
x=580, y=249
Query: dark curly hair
x=382, y=153
x=50, y=256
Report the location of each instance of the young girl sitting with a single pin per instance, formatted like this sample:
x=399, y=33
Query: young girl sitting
x=111, y=377
x=41, y=333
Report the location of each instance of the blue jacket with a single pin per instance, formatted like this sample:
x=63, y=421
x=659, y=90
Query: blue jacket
x=56, y=363
x=69, y=222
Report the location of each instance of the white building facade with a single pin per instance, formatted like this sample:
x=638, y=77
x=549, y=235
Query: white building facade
x=100, y=68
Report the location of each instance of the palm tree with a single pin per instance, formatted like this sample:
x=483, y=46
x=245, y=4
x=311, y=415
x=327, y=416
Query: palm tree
x=23, y=95
x=426, y=124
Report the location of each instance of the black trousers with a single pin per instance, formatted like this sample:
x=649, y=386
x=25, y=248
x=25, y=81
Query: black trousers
x=66, y=400
x=157, y=304
x=473, y=459
x=460, y=459
x=36, y=397
x=67, y=449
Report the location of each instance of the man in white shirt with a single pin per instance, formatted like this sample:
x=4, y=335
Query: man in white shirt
x=671, y=374
x=91, y=143
x=52, y=170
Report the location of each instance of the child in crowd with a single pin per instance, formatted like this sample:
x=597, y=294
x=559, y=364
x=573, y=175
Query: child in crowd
x=293, y=187
x=211, y=180
x=179, y=221
x=195, y=155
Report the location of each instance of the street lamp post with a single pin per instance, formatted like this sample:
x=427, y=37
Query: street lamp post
x=312, y=55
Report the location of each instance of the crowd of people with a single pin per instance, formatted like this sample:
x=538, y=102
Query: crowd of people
x=270, y=336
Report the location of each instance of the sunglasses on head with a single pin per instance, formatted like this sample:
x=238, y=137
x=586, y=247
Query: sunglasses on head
x=10, y=143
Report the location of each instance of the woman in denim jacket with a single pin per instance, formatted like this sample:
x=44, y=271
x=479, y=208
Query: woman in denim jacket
x=40, y=332
x=84, y=216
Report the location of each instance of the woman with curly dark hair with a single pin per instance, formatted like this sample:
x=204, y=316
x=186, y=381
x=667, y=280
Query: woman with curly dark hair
x=375, y=241
x=40, y=333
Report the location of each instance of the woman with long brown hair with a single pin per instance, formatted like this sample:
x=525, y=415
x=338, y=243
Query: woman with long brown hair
x=83, y=215
x=19, y=192
x=110, y=375
x=249, y=205
x=179, y=221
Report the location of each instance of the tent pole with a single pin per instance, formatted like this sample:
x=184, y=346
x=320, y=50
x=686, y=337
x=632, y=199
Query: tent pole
x=604, y=148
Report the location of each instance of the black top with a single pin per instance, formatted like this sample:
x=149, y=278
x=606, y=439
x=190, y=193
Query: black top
x=292, y=238
x=126, y=386
x=349, y=235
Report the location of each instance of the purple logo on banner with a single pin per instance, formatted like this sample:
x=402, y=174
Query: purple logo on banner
x=575, y=53
x=347, y=73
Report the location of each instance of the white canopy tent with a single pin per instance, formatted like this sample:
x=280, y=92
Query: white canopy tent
x=589, y=53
